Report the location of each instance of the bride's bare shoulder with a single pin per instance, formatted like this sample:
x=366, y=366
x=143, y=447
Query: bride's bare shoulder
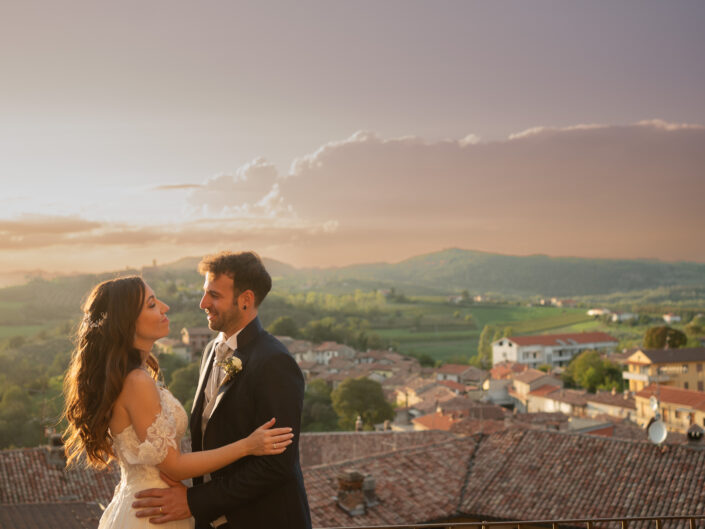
x=139, y=385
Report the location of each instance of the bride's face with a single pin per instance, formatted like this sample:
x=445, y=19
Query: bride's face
x=152, y=323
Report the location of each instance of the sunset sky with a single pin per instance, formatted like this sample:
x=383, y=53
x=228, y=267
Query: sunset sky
x=327, y=133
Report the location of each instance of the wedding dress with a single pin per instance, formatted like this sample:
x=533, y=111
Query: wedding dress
x=138, y=462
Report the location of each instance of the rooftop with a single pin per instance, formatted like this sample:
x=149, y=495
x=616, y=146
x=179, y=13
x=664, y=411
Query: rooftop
x=672, y=395
x=575, y=338
x=672, y=356
x=519, y=475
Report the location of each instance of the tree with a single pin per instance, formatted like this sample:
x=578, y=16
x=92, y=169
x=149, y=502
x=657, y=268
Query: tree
x=284, y=326
x=658, y=337
x=484, y=347
x=183, y=383
x=363, y=397
x=318, y=414
x=590, y=371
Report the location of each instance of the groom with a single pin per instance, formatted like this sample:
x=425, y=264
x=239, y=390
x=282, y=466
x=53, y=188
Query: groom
x=253, y=492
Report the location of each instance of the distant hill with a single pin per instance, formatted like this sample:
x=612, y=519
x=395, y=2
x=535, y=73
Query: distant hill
x=454, y=270
x=450, y=271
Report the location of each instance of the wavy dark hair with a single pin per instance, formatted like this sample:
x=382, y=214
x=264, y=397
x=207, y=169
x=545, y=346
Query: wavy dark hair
x=103, y=356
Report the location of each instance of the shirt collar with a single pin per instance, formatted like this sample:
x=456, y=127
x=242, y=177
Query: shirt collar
x=232, y=341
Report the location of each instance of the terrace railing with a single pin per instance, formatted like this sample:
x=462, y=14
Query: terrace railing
x=656, y=522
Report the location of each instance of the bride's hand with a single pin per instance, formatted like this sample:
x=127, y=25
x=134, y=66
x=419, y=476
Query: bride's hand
x=268, y=441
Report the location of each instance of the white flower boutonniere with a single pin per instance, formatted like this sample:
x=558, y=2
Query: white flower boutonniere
x=232, y=366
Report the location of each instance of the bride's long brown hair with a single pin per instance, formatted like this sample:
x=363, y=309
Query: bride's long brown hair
x=103, y=356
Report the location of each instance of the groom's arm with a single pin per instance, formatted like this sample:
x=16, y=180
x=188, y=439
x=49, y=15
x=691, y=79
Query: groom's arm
x=278, y=393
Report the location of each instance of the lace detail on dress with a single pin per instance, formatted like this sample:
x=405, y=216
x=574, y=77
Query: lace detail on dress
x=138, y=462
x=140, y=458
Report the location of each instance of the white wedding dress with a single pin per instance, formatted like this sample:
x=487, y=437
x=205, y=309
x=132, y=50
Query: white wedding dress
x=138, y=469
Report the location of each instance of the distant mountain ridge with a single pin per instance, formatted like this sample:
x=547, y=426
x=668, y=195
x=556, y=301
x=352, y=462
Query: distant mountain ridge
x=454, y=270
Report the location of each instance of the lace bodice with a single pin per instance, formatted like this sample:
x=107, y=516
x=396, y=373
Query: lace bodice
x=137, y=459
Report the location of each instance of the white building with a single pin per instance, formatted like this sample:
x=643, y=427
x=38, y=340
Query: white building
x=671, y=318
x=598, y=312
x=619, y=317
x=556, y=350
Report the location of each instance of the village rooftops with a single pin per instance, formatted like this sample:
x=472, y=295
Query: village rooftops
x=672, y=395
x=518, y=475
x=674, y=356
x=507, y=370
x=557, y=340
x=70, y=515
x=619, y=400
x=544, y=390
x=530, y=375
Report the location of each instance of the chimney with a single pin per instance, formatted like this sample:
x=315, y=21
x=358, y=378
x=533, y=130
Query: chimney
x=350, y=495
x=368, y=491
x=56, y=453
x=695, y=436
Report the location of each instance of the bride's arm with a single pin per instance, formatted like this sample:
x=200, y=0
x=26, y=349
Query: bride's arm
x=140, y=397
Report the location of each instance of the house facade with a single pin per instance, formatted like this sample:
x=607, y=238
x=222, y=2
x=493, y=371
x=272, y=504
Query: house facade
x=683, y=368
x=555, y=350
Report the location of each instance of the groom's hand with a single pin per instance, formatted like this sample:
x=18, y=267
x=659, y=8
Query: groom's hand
x=163, y=505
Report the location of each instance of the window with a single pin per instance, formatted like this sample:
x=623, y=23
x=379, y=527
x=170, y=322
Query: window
x=685, y=368
x=700, y=385
x=698, y=367
x=685, y=385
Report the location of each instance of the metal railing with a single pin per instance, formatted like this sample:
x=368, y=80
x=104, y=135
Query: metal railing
x=587, y=523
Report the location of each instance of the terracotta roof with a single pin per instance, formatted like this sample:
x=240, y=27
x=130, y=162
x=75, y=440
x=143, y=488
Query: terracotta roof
x=507, y=369
x=199, y=330
x=669, y=356
x=452, y=385
x=544, y=390
x=435, y=421
x=519, y=475
x=574, y=397
x=465, y=407
x=415, y=484
x=607, y=398
x=74, y=515
x=468, y=426
x=671, y=395
x=35, y=479
x=530, y=375
x=333, y=346
x=453, y=369
x=334, y=447
x=535, y=475
x=556, y=339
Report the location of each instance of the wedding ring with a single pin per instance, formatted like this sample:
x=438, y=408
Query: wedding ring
x=275, y=446
x=160, y=510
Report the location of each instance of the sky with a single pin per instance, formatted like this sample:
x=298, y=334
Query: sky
x=325, y=133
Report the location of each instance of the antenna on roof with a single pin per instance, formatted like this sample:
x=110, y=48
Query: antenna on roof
x=656, y=429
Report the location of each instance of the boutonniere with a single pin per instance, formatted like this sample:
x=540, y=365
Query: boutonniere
x=232, y=366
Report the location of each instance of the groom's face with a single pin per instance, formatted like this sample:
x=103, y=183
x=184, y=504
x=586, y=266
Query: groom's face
x=220, y=305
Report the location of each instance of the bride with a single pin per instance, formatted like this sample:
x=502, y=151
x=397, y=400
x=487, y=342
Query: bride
x=116, y=408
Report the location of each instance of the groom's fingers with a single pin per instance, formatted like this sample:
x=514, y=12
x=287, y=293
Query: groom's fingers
x=149, y=493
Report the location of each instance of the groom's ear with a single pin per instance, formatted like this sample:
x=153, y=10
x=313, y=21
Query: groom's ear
x=246, y=300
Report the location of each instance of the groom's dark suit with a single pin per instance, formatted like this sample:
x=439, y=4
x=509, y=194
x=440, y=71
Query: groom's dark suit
x=256, y=491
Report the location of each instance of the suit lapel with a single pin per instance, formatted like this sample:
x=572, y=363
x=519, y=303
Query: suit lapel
x=198, y=401
x=244, y=341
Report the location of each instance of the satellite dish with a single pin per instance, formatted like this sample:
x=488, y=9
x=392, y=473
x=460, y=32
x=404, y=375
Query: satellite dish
x=657, y=432
x=653, y=402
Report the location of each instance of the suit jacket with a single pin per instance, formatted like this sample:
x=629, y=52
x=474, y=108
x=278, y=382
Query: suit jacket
x=255, y=491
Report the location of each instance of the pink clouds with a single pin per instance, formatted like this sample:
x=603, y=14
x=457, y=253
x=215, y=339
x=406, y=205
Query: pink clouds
x=586, y=190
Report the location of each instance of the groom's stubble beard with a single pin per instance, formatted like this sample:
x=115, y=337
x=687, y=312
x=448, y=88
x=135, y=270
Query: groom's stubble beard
x=226, y=321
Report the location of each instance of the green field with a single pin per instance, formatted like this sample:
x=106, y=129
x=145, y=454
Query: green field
x=431, y=325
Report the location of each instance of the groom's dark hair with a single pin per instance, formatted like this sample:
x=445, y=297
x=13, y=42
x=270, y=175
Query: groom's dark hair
x=244, y=268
